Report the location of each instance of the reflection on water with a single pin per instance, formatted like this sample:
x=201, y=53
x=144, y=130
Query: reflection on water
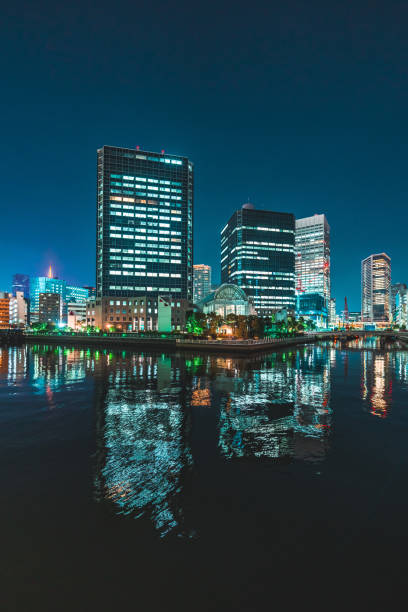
x=143, y=458
x=269, y=408
x=279, y=410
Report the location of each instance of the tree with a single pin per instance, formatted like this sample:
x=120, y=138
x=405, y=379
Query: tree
x=214, y=322
x=42, y=326
x=256, y=326
x=193, y=325
x=291, y=325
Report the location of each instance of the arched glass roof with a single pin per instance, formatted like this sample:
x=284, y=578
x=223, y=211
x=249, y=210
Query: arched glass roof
x=230, y=292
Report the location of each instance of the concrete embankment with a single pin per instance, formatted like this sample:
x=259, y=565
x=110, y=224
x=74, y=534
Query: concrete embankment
x=218, y=346
x=170, y=344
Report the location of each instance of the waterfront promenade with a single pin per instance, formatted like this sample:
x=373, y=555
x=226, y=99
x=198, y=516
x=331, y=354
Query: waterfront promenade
x=179, y=343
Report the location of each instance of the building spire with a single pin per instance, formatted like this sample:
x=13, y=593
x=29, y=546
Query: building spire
x=50, y=272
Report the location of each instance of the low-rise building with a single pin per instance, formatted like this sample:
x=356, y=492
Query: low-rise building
x=76, y=315
x=19, y=313
x=138, y=314
x=5, y=309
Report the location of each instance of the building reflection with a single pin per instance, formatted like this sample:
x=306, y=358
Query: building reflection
x=149, y=409
x=281, y=410
x=144, y=460
x=377, y=382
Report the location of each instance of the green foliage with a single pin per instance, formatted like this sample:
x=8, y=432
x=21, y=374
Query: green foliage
x=194, y=324
x=37, y=326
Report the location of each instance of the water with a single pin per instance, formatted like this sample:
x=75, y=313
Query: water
x=174, y=481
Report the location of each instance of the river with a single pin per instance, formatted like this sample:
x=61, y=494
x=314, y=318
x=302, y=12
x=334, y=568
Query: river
x=155, y=481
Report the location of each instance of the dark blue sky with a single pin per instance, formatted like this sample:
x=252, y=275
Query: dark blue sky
x=301, y=107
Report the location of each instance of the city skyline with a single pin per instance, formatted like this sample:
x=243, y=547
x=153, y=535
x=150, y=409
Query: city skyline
x=277, y=112
x=7, y=285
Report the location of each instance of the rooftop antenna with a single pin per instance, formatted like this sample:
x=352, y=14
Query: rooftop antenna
x=248, y=205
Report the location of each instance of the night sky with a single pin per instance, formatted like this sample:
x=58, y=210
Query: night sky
x=298, y=106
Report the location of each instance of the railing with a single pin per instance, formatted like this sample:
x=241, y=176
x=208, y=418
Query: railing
x=247, y=342
x=134, y=335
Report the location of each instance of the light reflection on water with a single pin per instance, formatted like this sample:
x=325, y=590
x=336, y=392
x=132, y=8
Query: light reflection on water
x=274, y=408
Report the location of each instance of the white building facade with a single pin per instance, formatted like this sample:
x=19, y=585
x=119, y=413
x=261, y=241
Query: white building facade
x=312, y=256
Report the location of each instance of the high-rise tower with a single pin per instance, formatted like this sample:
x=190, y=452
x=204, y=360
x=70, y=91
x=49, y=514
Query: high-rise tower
x=257, y=254
x=144, y=241
x=375, y=288
x=202, y=281
x=313, y=256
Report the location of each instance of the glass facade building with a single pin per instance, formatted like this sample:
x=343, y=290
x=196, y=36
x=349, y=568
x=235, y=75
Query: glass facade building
x=376, y=288
x=396, y=288
x=257, y=254
x=313, y=256
x=312, y=306
x=227, y=299
x=44, y=284
x=144, y=242
x=76, y=294
x=201, y=282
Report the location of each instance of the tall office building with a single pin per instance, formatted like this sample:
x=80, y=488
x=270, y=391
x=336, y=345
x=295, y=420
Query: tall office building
x=144, y=242
x=313, y=256
x=50, y=308
x=257, y=254
x=396, y=288
x=375, y=288
x=201, y=282
x=332, y=311
x=21, y=282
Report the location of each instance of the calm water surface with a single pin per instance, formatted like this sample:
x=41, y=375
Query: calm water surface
x=154, y=481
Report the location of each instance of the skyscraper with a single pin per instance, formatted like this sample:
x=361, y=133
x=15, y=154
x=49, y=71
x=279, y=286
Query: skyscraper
x=313, y=256
x=21, y=282
x=375, y=288
x=332, y=311
x=144, y=243
x=201, y=282
x=257, y=254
